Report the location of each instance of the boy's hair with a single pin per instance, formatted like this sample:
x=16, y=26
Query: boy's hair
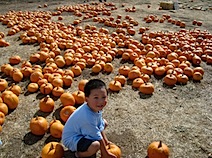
x=93, y=84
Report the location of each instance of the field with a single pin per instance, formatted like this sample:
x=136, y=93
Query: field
x=179, y=115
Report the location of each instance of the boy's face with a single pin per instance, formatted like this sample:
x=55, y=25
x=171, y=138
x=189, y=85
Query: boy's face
x=97, y=99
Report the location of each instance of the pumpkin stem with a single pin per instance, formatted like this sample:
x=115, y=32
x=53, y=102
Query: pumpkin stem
x=160, y=144
x=51, y=147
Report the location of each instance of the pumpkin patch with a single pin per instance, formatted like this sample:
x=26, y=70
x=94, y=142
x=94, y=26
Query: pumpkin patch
x=156, y=64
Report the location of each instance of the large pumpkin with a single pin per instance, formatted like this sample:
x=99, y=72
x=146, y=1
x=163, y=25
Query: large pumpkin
x=158, y=150
x=52, y=150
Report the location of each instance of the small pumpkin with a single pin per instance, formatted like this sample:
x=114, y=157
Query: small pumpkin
x=67, y=99
x=46, y=88
x=66, y=112
x=79, y=97
x=10, y=99
x=2, y=118
x=146, y=88
x=52, y=150
x=121, y=78
x=158, y=150
x=56, y=129
x=3, y=84
x=115, y=86
x=170, y=79
x=14, y=60
x=38, y=125
x=57, y=91
x=137, y=82
x=114, y=149
x=82, y=84
x=46, y=104
x=3, y=108
x=15, y=89
x=32, y=87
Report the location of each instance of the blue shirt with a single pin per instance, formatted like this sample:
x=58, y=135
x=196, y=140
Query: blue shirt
x=83, y=122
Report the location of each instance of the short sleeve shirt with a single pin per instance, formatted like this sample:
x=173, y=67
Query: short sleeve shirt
x=82, y=123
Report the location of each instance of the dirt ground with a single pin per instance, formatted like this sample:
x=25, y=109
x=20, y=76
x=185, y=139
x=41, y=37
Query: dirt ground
x=180, y=116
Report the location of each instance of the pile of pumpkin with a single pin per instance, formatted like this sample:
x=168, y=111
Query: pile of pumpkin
x=66, y=50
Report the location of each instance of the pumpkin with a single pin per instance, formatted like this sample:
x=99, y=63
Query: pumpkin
x=66, y=112
x=197, y=76
x=46, y=88
x=96, y=68
x=16, y=89
x=10, y=99
x=3, y=84
x=32, y=87
x=67, y=80
x=82, y=84
x=146, y=88
x=115, y=86
x=67, y=99
x=108, y=67
x=57, y=91
x=36, y=76
x=76, y=70
x=56, y=129
x=124, y=70
x=114, y=149
x=14, y=60
x=2, y=118
x=182, y=78
x=158, y=150
x=38, y=125
x=3, y=108
x=170, y=79
x=79, y=97
x=121, y=78
x=57, y=82
x=52, y=150
x=46, y=104
x=134, y=73
x=137, y=82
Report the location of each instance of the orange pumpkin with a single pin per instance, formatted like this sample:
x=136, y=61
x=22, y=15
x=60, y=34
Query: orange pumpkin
x=14, y=60
x=3, y=108
x=158, y=150
x=66, y=112
x=79, y=97
x=32, y=87
x=52, y=150
x=46, y=88
x=46, y=104
x=170, y=79
x=115, y=86
x=146, y=88
x=57, y=91
x=38, y=125
x=16, y=89
x=67, y=99
x=56, y=129
x=3, y=84
x=82, y=84
x=2, y=118
x=10, y=99
x=114, y=149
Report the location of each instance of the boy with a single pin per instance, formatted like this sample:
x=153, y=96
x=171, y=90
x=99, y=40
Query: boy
x=83, y=131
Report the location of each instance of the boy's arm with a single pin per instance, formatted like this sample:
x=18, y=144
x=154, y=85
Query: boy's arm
x=104, y=152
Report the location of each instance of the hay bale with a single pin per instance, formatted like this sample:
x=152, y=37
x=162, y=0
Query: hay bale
x=167, y=5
